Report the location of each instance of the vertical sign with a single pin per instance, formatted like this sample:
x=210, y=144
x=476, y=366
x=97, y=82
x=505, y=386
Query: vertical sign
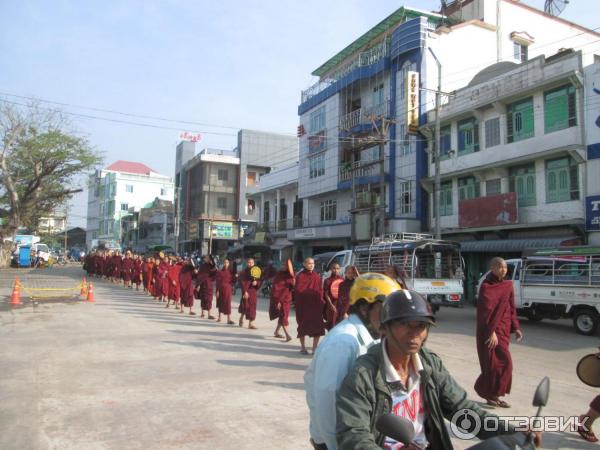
x=592, y=213
x=412, y=101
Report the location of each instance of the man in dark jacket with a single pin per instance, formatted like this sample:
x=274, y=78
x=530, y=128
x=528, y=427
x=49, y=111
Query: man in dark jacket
x=399, y=376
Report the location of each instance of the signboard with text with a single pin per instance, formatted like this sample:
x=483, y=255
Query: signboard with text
x=592, y=213
x=412, y=100
x=222, y=230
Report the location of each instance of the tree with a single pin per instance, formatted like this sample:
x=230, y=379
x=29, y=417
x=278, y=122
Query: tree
x=40, y=160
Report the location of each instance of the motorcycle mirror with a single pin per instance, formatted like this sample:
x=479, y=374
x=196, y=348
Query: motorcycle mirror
x=540, y=398
x=397, y=428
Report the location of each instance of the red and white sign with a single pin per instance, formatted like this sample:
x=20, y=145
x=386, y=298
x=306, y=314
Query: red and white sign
x=192, y=137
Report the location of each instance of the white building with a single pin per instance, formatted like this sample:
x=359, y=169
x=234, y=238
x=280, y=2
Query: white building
x=121, y=187
x=278, y=210
x=389, y=73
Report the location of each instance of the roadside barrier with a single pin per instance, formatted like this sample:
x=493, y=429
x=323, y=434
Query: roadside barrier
x=78, y=290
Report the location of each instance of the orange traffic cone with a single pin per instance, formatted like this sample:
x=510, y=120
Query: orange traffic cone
x=15, y=298
x=90, y=293
x=83, y=287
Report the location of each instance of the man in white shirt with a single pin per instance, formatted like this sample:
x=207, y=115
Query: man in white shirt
x=338, y=351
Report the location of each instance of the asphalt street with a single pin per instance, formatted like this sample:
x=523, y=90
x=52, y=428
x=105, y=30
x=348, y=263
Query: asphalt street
x=127, y=373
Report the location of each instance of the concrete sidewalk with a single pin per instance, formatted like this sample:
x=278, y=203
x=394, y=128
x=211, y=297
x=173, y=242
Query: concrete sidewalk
x=125, y=372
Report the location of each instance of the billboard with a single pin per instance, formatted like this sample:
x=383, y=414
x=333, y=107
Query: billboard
x=488, y=211
x=592, y=213
x=412, y=100
x=222, y=230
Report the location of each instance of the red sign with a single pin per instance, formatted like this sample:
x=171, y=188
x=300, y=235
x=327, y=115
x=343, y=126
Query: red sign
x=187, y=136
x=301, y=131
x=488, y=211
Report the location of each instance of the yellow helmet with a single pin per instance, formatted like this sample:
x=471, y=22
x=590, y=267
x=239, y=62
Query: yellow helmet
x=372, y=287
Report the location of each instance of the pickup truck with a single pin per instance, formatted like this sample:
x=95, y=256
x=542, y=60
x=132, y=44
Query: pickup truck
x=557, y=288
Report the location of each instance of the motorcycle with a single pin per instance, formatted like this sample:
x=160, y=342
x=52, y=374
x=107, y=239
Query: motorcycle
x=402, y=430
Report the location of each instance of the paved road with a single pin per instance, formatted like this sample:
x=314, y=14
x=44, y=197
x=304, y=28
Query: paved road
x=125, y=372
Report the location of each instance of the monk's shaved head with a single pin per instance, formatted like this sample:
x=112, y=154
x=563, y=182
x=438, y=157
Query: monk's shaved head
x=497, y=261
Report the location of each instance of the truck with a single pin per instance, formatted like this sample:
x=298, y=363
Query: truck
x=558, y=283
x=434, y=268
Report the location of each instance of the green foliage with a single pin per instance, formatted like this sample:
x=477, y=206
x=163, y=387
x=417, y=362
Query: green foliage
x=39, y=164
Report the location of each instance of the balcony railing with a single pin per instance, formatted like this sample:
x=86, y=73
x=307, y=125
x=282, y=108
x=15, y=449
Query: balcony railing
x=297, y=222
x=364, y=116
x=366, y=58
x=363, y=168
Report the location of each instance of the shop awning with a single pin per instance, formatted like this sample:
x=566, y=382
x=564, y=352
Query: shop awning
x=514, y=245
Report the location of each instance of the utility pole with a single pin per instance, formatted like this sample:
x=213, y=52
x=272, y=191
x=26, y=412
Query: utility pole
x=382, y=138
x=177, y=217
x=66, y=214
x=437, y=184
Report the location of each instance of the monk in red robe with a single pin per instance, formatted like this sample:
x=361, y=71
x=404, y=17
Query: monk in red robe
x=496, y=321
x=205, y=280
x=186, y=286
x=117, y=262
x=249, y=301
x=343, y=303
x=127, y=269
x=308, y=295
x=163, y=270
x=225, y=279
x=136, y=274
x=107, y=267
x=331, y=297
x=173, y=278
x=281, y=301
x=150, y=274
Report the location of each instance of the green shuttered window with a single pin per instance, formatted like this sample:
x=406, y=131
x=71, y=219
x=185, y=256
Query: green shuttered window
x=559, y=109
x=519, y=120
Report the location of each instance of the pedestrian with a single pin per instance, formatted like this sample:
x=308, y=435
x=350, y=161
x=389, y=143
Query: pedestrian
x=400, y=376
x=173, y=278
x=308, y=297
x=331, y=288
x=250, y=285
x=338, y=351
x=587, y=420
x=496, y=321
x=186, y=282
x=205, y=285
x=350, y=275
x=127, y=270
x=282, y=289
x=137, y=272
x=225, y=280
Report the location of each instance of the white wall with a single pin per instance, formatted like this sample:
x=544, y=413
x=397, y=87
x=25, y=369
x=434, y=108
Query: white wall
x=326, y=183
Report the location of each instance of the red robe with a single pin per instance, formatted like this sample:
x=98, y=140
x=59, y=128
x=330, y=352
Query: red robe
x=281, y=294
x=150, y=277
x=186, y=282
x=330, y=316
x=117, y=262
x=205, y=281
x=127, y=269
x=308, y=296
x=136, y=274
x=225, y=282
x=163, y=281
x=173, y=279
x=248, y=306
x=344, y=297
x=495, y=312
x=107, y=266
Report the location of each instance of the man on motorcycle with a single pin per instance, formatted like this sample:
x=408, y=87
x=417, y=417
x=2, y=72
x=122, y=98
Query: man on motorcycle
x=338, y=351
x=400, y=376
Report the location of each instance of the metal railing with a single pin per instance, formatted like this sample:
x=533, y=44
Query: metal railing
x=363, y=168
x=364, y=116
x=366, y=58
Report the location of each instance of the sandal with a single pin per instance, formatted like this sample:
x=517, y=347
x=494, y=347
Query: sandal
x=288, y=339
x=192, y=313
x=280, y=336
x=231, y=322
x=586, y=434
x=252, y=327
x=304, y=351
x=212, y=317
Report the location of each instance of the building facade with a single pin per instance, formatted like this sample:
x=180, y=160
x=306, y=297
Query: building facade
x=118, y=190
x=361, y=149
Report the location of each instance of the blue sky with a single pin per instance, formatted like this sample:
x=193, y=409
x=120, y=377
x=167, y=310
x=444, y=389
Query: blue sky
x=237, y=64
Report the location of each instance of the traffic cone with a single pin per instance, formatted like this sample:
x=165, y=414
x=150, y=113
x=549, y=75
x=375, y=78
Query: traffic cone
x=90, y=294
x=83, y=287
x=15, y=298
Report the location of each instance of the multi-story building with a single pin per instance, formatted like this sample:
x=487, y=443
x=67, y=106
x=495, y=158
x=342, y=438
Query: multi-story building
x=116, y=191
x=212, y=186
x=364, y=112
x=53, y=224
x=149, y=227
x=513, y=160
x=592, y=134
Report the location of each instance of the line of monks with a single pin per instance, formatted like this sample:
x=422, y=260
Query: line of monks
x=178, y=282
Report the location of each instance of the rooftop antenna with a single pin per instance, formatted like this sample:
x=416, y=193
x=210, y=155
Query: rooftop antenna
x=555, y=7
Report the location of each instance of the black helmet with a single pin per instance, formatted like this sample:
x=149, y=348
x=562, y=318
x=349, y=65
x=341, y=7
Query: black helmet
x=406, y=306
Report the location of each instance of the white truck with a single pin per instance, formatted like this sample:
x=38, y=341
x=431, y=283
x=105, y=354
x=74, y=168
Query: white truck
x=556, y=284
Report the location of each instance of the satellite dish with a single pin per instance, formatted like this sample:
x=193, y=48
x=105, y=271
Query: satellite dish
x=555, y=7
